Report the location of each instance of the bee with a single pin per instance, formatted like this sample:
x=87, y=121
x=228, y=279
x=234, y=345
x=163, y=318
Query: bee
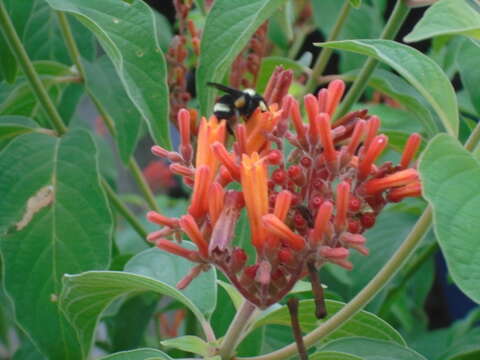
x=236, y=102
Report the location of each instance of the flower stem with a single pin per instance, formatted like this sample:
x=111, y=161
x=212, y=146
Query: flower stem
x=70, y=42
x=234, y=332
x=29, y=71
x=322, y=60
x=394, y=23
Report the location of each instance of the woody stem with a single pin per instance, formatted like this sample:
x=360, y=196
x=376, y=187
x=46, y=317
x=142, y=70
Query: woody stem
x=236, y=328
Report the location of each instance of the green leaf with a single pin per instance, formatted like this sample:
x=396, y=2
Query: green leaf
x=43, y=39
x=106, y=89
x=450, y=177
x=467, y=62
x=333, y=355
x=228, y=28
x=170, y=269
x=398, y=89
x=54, y=220
x=12, y=126
x=447, y=17
x=188, y=343
x=152, y=270
x=372, y=349
x=422, y=72
x=356, y=3
x=127, y=32
x=138, y=354
x=19, y=99
x=232, y=292
x=361, y=324
x=87, y=295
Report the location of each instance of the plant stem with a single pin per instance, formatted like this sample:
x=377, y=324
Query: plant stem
x=322, y=60
x=70, y=42
x=142, y=184
x=298, y=41
x=234, y=332
x=364, y=296
x=394, y=23
x=124, y=211
x=27, y=67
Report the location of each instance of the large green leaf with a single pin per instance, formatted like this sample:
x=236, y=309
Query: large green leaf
x=19, y=99
x=104, y=85
x=12, y=126
x=138, y=354
x=54, y=220
x=467, y=62
x=447, y=17
x=170, y=269
x=418, y=69
x=85, y=296
x=127, y=32
x=228, y=28
x=450, y=177
x=372, y=349
x=361, y=324
x=399, y=90
x=43, y=39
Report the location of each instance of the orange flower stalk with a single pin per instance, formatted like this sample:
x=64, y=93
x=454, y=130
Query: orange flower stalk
x=311, y=205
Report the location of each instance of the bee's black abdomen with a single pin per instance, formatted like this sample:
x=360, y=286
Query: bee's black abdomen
x=223, y=108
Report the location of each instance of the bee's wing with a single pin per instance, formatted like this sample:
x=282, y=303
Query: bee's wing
x=228, y=90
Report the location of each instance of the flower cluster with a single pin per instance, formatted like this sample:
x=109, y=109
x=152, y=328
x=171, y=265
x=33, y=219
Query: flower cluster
x=310, y=189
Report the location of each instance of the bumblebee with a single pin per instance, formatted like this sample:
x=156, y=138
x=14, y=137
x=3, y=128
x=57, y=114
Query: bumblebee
x=236, y=102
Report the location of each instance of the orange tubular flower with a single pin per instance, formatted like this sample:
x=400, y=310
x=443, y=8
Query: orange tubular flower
x=400, y=178
x=255, y=192
x=209, y=132
x=275, y=226
x=190, y=227
x=259, y=124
